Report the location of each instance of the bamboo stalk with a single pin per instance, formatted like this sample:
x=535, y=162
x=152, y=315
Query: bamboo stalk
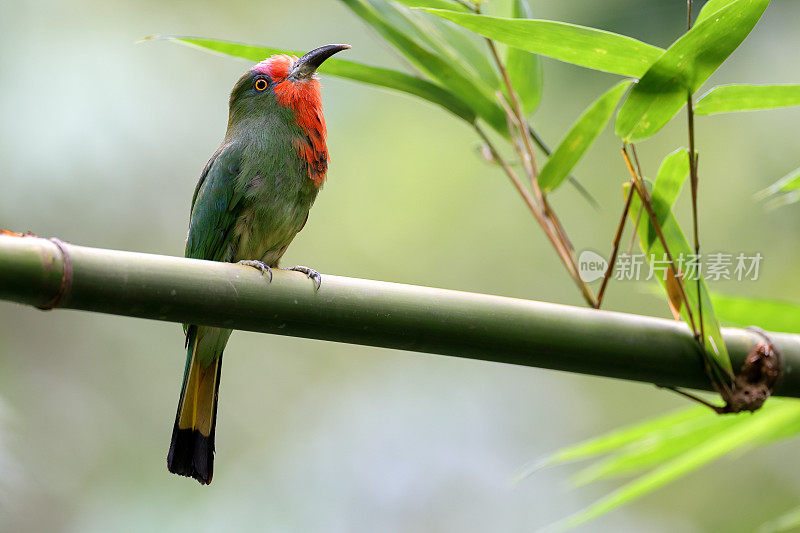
x=390, y=315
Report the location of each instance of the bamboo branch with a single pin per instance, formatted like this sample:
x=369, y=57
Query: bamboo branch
x=390, y=315
x=644, y=196
x=615, y=247
x=519, y=125
x=563, y=252
x=693, y=178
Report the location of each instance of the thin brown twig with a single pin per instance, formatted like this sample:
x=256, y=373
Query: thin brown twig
x=528, y=158
x=551, y=215
x=564, y=247
x=694, y=398
x=535, y=209
x=615, y=249
x=514, y=125
x=516, y=109
x=635, y=229
x=526, y=195
x=636, y=159
x=694, y=180
x=539, y=142
x=645, y=198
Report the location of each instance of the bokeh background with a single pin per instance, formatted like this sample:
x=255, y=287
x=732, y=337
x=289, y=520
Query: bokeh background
x=101, y=143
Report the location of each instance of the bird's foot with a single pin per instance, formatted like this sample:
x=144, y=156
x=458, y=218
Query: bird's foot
x=257, y=265
x=311, y=273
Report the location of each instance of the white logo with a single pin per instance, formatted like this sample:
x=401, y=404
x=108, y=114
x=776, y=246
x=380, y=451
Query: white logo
x=591, y=266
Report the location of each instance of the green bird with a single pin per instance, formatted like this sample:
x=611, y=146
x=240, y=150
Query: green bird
x=253, y=197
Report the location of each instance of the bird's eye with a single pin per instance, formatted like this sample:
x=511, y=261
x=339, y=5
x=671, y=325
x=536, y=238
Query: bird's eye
x=260, y=84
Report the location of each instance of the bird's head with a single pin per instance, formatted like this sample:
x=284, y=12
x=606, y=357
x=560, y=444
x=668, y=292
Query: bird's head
x=287, y=81
x=287, y=86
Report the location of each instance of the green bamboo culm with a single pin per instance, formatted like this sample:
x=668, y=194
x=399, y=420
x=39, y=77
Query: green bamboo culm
x=374, y=313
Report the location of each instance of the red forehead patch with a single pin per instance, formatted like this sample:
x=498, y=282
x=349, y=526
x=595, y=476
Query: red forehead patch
x=276, y=67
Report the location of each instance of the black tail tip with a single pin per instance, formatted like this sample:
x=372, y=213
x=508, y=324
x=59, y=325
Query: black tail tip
x=191, y=454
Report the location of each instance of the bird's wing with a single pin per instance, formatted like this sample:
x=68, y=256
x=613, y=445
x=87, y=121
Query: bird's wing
x=215, y=207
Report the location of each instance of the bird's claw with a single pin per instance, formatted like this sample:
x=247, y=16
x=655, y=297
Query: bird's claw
x=311, y=273
x=259, y=265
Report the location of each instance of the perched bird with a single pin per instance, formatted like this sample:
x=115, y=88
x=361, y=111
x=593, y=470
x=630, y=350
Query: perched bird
x=253, y=197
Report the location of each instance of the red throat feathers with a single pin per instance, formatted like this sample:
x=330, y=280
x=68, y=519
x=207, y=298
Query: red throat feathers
x=305, y=99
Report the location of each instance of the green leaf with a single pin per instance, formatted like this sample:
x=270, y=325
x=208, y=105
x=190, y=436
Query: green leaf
x=786, y=522
x=438, y=4
x=614, y=440
x=480, y=100
x=659, y=447
x=679, y=442
x=381, y=77
x=684, y=67
x=449, y=41
x=580, y=137
x=587, y=47
x=765, y=421
x=524, y=68
x=733, y=98
x=711, y=7
x=715, y=351
x=743, y=311
x=789, y=184
x=672, y=174
x=670, y=179
x=783, y=200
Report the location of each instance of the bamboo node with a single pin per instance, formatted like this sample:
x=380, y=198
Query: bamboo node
x=756, y=380
x=66, y=277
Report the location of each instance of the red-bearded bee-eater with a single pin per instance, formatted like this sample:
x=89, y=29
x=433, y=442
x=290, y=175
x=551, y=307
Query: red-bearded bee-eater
x=253, y=197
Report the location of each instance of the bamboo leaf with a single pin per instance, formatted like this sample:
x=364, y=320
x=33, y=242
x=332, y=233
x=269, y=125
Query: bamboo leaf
x=659, y=447
x=711, y=7
x=580, y=45
x=733, y=98
x=672, y=441
x=614, y=440
x=738, y=436
x=381, y=77
x=790, y=182
x=743, y=311
x=783, y=200
x=474, y=54
x=449, y=41
x=684, y=67
x=785, y=191
x=437, y=4
x=671, y=176
x=580, y=137
x=478, y=98
x=715, y=350
x=524, y=68
x=786, y=522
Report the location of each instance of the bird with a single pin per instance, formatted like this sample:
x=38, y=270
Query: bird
x=252, y=198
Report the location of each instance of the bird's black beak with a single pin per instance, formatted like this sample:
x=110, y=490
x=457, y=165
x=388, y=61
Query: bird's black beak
x=306, y=66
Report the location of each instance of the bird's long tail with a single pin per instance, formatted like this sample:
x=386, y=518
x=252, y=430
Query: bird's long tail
x=191, y=452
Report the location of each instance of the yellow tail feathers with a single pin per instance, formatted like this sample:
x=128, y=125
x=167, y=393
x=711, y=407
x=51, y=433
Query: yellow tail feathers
x=191, y=452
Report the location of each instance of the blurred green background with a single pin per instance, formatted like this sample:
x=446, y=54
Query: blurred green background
x=101, y=145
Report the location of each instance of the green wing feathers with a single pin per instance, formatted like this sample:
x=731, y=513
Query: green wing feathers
x=215, y=207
